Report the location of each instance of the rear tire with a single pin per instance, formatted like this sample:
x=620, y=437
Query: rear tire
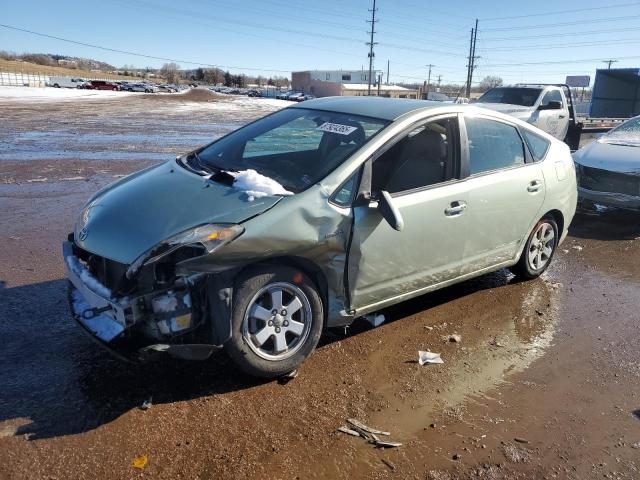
x=539, y=249
x=267, y=340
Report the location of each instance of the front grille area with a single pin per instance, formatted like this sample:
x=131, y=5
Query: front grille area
x=605, y=181
x=111, y=274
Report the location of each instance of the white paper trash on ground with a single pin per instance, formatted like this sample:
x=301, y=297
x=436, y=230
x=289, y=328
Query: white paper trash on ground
x=429, y=357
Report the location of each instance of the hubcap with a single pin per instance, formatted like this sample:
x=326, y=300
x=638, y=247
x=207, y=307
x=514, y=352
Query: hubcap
x=277, y=321
x=541, y=246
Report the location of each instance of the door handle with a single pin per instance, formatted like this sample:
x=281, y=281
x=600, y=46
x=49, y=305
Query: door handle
x=562, y=116
x=534, y=186
x=455, y=208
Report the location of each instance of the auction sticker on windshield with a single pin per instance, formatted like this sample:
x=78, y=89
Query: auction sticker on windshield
x=337, y=128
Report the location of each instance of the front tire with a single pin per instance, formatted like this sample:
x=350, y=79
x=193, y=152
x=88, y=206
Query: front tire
x=539, y=249
x=276, y=321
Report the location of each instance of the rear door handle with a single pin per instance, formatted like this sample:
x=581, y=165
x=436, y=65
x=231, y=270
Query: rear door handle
x=534, y=186
x=562, y=116
x=455, y=208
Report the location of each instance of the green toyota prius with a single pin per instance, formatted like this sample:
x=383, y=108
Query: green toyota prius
x=309, y=218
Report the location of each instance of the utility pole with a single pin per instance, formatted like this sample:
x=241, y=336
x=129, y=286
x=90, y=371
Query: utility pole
x=371, y=43
x=387, y=72
x=609, y=62
x=429, y=81
x=439, y=81
x=472, y=58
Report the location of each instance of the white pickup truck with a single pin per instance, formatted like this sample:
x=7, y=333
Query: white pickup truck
x=548, y=107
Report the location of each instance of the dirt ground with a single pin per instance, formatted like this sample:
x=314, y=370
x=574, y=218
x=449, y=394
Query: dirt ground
x=543, y=384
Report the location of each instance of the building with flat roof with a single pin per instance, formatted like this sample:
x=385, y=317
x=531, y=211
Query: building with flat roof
x=329, y=83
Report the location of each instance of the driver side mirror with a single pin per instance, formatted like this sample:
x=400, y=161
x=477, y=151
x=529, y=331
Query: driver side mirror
x=389, y=211
x=552, y=105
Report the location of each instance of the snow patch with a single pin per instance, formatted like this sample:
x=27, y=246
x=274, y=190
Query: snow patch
x=256, y=185
x=55, y=94
x=89, y=280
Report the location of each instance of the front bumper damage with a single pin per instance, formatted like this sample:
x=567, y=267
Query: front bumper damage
x=134, y=328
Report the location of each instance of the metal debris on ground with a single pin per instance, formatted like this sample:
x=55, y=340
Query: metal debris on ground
x=146, y=405
x=375, y=319
x=348, y=431
x=359, y=429
x=362, y=426
x=496, y=343
x=287, y=377
x=577, y=247
x=428, y=327
x=428, y=357
x=521, y=440
x=454, y=338
x=140, y=462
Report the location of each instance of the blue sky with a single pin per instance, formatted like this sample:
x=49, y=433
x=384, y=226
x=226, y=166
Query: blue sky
x=519, y=41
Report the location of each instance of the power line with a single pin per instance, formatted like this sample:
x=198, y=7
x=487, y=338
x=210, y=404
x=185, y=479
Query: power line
x=564, y=34
x=545, y=14
x=559, y=62
x=137, y=54
x=563, y=24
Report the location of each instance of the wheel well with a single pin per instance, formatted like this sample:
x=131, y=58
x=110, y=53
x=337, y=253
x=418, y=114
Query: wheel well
x=309, y=268
x=559, y=218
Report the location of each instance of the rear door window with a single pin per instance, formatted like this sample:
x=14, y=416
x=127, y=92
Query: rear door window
x=538, y=146
x=493, y=145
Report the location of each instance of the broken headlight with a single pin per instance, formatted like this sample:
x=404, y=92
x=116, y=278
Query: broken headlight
x=209, y=237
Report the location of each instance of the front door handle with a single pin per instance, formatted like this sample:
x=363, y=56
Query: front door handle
x=534, y=186
x=455, y=208
x=562, y=116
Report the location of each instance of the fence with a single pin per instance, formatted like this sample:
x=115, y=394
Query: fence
x=23, y=79
x=19, y=79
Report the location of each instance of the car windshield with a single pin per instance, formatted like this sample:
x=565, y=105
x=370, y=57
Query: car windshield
x=627, y=134
x=296, y=147
x=512, y=95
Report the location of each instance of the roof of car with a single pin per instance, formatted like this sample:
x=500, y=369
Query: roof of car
x=375, y=107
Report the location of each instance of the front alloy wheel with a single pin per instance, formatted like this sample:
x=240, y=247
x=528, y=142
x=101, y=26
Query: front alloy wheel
x=276, y=320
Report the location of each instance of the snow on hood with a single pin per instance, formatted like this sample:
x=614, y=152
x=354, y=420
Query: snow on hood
x=256, y=185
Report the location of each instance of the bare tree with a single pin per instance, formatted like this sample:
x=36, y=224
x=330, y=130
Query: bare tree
x=171, y=71
x=490, y=82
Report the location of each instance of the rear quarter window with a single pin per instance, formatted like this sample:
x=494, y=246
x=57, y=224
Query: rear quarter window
x=538, y=146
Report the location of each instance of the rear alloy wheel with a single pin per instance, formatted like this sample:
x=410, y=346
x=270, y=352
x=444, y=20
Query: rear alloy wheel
x=276, y=321
x=538, y=250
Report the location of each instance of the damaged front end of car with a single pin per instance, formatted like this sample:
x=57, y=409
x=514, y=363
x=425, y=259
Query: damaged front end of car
x=153, y=305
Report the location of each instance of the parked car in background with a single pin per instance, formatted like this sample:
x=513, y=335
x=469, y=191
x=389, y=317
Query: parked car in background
x=142, y=87
x=284, y=95
x=67, y=82
x=102, y=85
x=323, y=212
x=305, y=96
x=608, y=169
x=166, y=89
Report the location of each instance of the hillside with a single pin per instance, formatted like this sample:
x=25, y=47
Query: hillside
x=18, y=66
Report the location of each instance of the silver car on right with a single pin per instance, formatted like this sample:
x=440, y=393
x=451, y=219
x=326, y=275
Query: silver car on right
x=608, y=169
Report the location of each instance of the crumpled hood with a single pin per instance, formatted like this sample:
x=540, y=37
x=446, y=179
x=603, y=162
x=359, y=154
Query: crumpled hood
x=518, y=111
x=612, y=157
x=133, y=215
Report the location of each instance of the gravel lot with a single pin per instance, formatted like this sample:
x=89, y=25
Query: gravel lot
x=544, y=383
